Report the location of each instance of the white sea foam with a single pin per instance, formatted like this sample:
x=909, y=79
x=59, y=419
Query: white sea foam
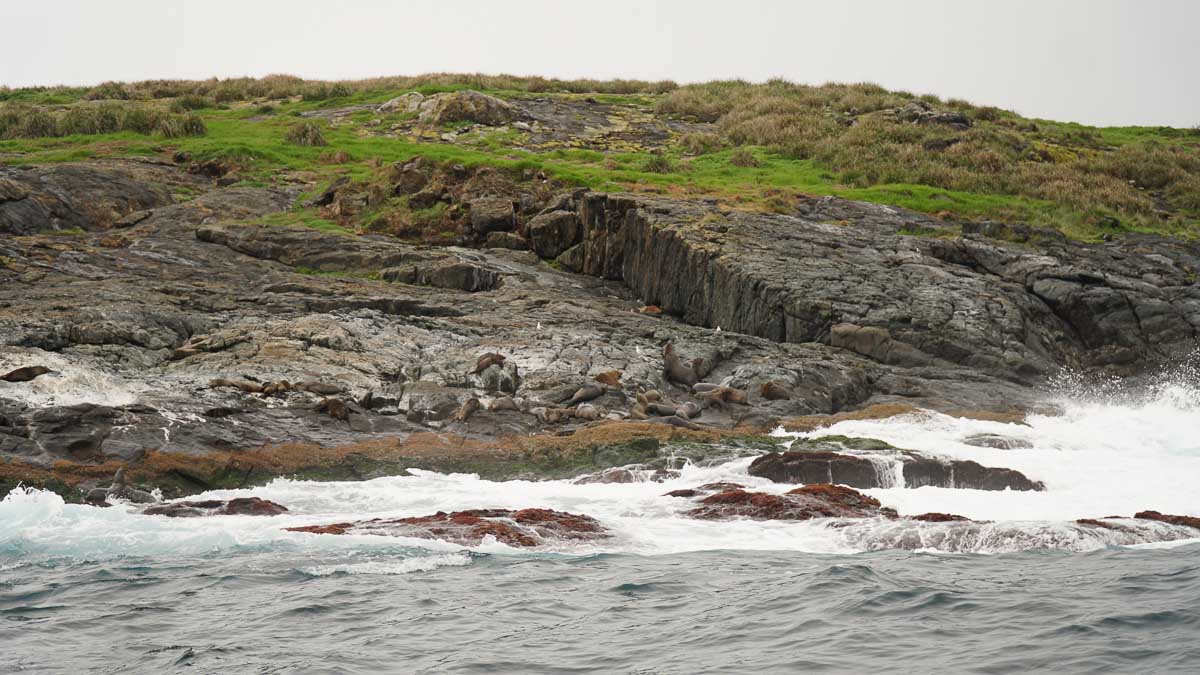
x=425, y=563
x=1097, y=459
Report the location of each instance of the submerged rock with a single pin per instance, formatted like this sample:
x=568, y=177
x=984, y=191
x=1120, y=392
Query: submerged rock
x=997, y=441
x=957, y=535
x=524, y=528
x=241, y=506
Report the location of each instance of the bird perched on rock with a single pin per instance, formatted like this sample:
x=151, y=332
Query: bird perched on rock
x=487, y=361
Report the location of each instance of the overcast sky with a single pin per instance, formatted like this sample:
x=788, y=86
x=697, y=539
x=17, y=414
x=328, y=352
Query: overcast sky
x=1094, y=61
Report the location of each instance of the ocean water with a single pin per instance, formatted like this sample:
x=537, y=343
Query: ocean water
x=111, y=591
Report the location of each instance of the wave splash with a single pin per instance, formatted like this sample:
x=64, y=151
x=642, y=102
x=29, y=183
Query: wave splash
x=1103, y=454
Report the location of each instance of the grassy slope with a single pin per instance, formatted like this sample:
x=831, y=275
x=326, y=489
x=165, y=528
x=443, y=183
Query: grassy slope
x=257, y=142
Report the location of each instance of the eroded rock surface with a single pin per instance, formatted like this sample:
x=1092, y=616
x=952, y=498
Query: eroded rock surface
x=194, y=331
x=867, y=463
x=525, y=528
x=819, y=500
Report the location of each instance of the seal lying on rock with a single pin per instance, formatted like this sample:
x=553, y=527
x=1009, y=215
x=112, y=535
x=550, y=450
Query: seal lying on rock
x=773, y=391
x=335, y=408
x=25, y=374
x=121, y=490
x=504, y=403
x=487, y=361
x=587, y=411
x=721, y=395
x=675, y=370
x=118, y=490
x=469, y=407
x=586, y=393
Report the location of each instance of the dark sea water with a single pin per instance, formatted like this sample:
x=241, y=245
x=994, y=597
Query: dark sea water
x=1023, y=589
x=409, y=610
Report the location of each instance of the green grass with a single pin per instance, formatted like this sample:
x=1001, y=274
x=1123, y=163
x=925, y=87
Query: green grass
x=302, y=217
x=765, y=177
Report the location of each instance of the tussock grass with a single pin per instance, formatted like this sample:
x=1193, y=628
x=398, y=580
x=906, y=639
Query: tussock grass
x=852, y=130
x=290, y=86
x=762, y=145
x=20, y=120
x=306, y=133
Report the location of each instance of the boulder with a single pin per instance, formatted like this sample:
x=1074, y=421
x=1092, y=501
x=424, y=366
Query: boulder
x=405, y=103
x=1186, y=521
x=552, y=233
x=465, y=106
x=873, y=471
x=508, y=240
x=492, y=214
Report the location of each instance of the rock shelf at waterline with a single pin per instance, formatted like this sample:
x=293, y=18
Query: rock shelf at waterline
x=660, y=331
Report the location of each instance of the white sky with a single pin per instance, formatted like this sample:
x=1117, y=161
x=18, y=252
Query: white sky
x=1094, y=61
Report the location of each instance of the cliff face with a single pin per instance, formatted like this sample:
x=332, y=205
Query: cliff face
x=182, y=335
x=856, y=282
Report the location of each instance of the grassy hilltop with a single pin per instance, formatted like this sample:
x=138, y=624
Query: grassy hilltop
x=755, y=146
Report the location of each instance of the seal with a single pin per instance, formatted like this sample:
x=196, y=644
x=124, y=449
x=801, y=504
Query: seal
x=674, y=369
x=335, y=408
x=320, y=388
x=469, y=407
x=121, y=490
x=586, y=393
x=773, y=391
x=487, y=361
x=587, y=411
x=611, y=378
x=676, y=421
x=721, y=395
x=25, y=374
x=660, y=409
x=504, y=403
x=547, y=415
x=97, y=497
x=244, y=385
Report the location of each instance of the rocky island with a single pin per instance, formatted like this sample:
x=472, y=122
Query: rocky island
x=212, y=284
